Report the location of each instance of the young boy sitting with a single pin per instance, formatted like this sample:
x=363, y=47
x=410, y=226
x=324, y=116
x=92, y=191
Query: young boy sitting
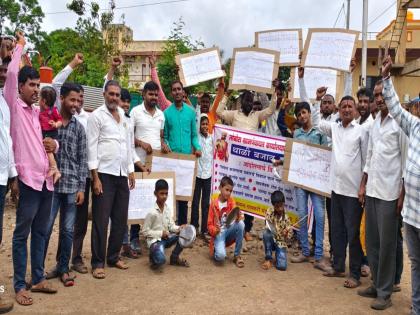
x=161, y=231
x=279, y=230
x=223, y=235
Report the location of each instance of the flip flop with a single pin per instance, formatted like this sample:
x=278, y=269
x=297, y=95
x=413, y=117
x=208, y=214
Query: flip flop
x=23, y=298
x=69, y=281
x=45, y=287
x=267, y=265
x=120, y=265
x=333, y=274
x=352, y=283
x=80, y=268
x=238, y=261
x=98, y=273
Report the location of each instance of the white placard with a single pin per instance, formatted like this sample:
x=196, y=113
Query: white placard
x=201, y=67
x=315, y=78
x=184, y=173
x=142, y=198
x=308, y=166
x=333, y=50
x=287, y=42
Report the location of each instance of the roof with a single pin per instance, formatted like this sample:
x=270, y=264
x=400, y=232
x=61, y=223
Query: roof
x=93, y=98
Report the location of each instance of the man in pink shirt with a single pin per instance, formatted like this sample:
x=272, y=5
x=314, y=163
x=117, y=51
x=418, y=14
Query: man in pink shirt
x=33, y=187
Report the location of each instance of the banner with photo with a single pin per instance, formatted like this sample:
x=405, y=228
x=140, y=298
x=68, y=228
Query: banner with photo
x=246, y=157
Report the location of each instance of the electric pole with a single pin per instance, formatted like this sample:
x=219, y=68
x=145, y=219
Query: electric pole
x=364, y=41
x=348, y=15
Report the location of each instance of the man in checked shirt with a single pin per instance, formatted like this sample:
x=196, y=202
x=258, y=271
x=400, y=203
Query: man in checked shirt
x=69, y=192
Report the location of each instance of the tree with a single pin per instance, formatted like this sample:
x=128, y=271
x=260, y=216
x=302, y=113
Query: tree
x=178, y=43
x=25, y=15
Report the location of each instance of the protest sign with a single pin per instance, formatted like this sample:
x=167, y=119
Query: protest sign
x=329, y=48
x=246, y=157
x=200, y=66
x=142, y=198
x=308, y=166
x=286, y=41
x=184, y=167
x=254, y=69
x=314, y=78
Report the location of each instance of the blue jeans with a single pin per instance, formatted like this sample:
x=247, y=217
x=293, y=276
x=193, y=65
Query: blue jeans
x=32, y=214
x=157, y=250
x=67, y=205
x=2, y=201
x=412, y=237
x=235, y=232
x=270, y=245
x=134, y=234
x=318, y=203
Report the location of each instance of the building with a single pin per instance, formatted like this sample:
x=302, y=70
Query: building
x=402, y=36
x=135, y=53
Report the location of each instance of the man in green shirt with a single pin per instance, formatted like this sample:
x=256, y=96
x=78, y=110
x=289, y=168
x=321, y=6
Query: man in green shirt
x=180, y=134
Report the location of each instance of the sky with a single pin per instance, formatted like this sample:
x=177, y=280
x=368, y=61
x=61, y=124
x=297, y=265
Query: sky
x=229, y=23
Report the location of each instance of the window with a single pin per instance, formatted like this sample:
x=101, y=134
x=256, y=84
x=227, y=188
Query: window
x=409, y=36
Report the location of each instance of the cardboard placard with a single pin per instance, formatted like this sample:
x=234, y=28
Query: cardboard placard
x=307, y=166
x=325, y=49
x=183, y=165
x=142, y=198
x=200, y=66
x=258, y=73
x=288, y=42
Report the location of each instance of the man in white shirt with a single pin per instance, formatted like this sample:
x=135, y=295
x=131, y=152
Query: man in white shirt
x=110, y=161
x=349, y=145
x=382, y=183
x=364, y=117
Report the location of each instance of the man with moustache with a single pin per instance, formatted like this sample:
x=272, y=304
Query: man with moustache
x=110, y=161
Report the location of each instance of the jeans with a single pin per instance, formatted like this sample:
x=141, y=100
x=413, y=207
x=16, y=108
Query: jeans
x=318, y=203
x=412, y=237
x=270, y=245
x=134, y=234
x=80, y=226
x=2, y=202
x=202, y=191
x=32, y=214
x=157, y=250
x=235, y=232
x=67, y=205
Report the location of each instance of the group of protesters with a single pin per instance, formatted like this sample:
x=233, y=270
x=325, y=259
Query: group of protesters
x=57, y=157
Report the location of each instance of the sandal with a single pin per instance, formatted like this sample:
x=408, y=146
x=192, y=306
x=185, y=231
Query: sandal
x=179, y=262
x=352, y=283
x=120, y=265
x=365, y=271
x=67, y=280
x=333, y=274
x=238, y=261
x=44, y=287
x=23, y=298
x=98, y=273
x=53, y=273
x=128, y=252
x=267, y=265
x=80, y=268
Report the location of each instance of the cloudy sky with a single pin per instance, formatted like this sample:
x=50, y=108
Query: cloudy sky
x=229, y=23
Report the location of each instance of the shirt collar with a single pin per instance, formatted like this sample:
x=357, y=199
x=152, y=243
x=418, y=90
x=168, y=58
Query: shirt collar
x=158, y=209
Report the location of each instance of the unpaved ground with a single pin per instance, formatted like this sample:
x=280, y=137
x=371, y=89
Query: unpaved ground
x=203, y=288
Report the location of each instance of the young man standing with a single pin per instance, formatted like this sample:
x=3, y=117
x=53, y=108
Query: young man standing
x=410, y=125
x=381, y=183
x=180, y=135
x=349, y=145
x=110, y=161
x=69, y=191
x=34, y=187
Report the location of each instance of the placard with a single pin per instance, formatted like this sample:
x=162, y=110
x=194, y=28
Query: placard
x=329, y=48
x=286, y=41
x=254, y=69
x=314, y=78
x=183, y=165
x=200, y=66
x=246, y=158
x=308, y=166
x=142, y=199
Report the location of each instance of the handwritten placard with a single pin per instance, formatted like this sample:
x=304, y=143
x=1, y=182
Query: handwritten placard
x=329, y=48
x=200, y=66
x=142, y=198
x=308, y=166
x=184, y=167
x=314, y=78
x=286, y=41
x=254, y=69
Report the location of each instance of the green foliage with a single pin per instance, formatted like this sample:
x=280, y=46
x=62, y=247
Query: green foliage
x=178, y=43
x=25, y=15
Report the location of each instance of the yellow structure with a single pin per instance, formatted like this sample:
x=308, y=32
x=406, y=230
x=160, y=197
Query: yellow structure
x=135, y=53
x=402, y=36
